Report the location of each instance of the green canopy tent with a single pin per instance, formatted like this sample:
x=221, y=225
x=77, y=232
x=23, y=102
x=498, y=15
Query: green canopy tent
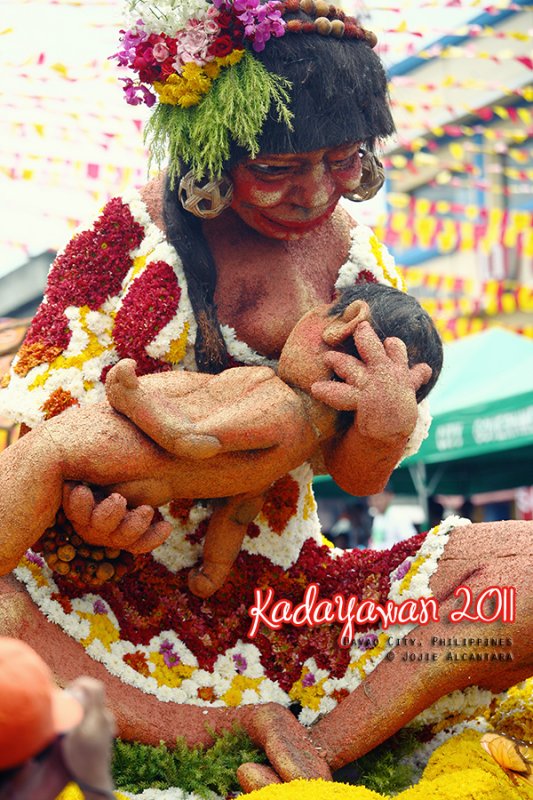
x=481, y=438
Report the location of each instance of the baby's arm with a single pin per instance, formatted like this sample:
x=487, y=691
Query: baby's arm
x=381, y=388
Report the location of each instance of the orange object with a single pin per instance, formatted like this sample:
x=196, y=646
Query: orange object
x=33, y=710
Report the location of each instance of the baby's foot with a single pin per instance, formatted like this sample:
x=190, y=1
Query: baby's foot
x=201, y=584
x=157, y=414
x=122, y=386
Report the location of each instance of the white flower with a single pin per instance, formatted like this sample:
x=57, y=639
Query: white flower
x=166, y=16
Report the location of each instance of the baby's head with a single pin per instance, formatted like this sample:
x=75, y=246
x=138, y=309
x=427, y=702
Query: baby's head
x=394, y=313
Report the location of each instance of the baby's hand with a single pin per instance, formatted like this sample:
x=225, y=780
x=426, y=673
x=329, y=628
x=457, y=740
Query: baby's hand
x=380, y=386
x=109, y=522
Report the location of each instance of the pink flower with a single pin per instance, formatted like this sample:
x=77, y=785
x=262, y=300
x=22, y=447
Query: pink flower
x=160, y=51
x=192, y=43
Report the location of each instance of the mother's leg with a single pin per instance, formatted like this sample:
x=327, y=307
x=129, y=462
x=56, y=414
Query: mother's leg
x=142, y=717
x=139, y=716
x=477, y=556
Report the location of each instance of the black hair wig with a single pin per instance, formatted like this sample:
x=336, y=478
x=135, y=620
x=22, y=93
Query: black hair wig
x=395, y=313
x=339, y=95
x=339, y=92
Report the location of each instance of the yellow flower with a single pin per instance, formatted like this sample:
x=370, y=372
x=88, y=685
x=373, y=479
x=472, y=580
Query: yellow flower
x=35, y=570
x=461, y=769
x=177, y=347
x=391, y=273
x=212, y=70
x=102, y=630
x=232, y=58
x=195, y=79
x=308, y=696
x=467, y=784
x=513, y=714
x=72, y=792
x=313, y=790
x=370, y=654
x=415, y=566
x=239, y=684
x=94, y=349
x=169, y=676
x=309, y=503
x=189, y=99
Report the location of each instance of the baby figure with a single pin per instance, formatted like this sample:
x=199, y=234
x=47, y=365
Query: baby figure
x=175, y=435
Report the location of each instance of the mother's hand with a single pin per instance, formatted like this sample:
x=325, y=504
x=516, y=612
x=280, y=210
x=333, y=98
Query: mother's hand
x=109, y=523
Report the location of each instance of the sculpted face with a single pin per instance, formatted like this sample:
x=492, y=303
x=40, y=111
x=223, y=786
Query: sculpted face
x=286, y=196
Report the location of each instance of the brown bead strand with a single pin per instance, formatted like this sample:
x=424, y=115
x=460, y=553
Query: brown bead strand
x=84, y=564
x=329, y=20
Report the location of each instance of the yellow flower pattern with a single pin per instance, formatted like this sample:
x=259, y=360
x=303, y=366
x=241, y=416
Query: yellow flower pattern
x=195, y=81
x=169, y=676
x=102, y=630
x=239, y=684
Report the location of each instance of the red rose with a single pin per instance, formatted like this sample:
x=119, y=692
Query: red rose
x=222, y=46
x=224, y=19
x=167, y=68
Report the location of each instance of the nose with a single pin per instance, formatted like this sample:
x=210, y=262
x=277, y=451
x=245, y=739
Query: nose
x=315, y=186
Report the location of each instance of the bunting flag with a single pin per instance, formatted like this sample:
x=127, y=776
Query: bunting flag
x=462, y=326
x=57, y=135
x=494, y=298
x=403, y=230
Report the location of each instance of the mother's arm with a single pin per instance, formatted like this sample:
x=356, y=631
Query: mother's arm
x=381, y=388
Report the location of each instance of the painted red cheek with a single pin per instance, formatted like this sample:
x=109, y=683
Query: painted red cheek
x=258, y=193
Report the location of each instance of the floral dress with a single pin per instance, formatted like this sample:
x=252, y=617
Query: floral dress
x=118, y=291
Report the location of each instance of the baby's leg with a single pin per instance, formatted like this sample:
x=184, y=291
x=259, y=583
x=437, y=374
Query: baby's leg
x=156, y=405
x=223, y=540
x=244, y=408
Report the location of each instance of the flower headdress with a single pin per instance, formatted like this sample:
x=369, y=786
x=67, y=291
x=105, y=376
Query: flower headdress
x=194, y=60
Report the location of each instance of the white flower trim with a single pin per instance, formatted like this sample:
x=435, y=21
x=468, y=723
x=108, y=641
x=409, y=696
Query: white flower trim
x=22, y=403
x=242, y=352
x=421, y=431
x=362, y=258
x=177, y=552
x=165, y=16
x=168, y=794
x=226, y=671
x=469, y=701
x=283, y=549
x=429, y=555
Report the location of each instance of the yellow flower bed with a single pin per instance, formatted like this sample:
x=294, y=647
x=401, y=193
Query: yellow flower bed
x=458, y=770
x=313, y=790
x=71, y=792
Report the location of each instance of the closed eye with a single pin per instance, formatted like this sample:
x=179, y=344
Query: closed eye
x=270, y=169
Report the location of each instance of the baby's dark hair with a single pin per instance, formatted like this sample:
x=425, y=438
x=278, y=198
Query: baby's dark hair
x=339, y=95
x=395, y=313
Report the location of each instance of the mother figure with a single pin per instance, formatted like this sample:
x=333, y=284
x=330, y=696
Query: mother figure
x=269, y=114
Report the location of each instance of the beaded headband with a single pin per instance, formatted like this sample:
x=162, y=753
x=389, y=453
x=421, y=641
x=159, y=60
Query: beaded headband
x=193, y=61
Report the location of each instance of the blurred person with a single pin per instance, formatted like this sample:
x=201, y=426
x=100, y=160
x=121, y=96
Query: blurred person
x=50, y=737
x=388, y=526
x=436, y=512
x=467, y=510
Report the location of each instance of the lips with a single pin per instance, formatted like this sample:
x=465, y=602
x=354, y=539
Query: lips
x=301, y=227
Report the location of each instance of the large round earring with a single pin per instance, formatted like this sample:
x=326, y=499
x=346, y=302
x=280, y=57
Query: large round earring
x=372, y=179
x=205, y=200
